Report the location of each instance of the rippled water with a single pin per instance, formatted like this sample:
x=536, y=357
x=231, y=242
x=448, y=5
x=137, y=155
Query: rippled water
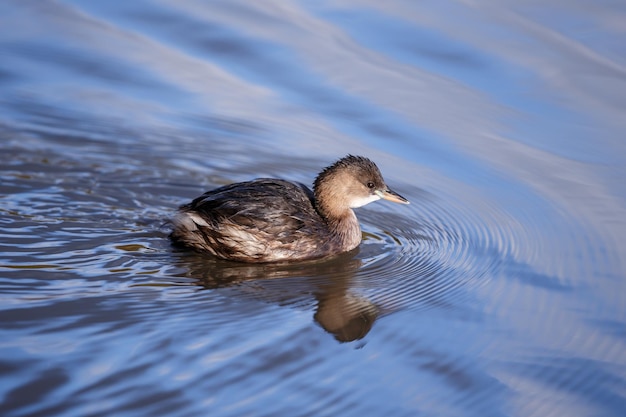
x=499, y=291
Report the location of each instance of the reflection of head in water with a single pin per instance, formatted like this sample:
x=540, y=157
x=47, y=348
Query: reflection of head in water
x=345, y=316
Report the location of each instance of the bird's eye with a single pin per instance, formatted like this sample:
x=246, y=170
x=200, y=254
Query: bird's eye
x=370, y=185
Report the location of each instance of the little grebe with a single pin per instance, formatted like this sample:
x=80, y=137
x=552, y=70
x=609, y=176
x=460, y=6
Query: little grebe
x=269, y=220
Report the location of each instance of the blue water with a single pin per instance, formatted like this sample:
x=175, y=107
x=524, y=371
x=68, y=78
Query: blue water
x=500, y=291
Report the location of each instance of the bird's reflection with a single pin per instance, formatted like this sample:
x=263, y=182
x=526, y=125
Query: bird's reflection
x=346, y=316
x=327, y=283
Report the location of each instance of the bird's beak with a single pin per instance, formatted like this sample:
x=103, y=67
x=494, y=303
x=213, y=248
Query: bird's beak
x=387, y=194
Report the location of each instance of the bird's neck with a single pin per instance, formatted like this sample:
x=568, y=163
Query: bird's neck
x=331, y=205
x=346, y=228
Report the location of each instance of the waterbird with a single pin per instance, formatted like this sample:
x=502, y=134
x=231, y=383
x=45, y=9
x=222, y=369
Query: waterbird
x=274, y=220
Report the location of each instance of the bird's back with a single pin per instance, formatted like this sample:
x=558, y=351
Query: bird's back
x=263, y=220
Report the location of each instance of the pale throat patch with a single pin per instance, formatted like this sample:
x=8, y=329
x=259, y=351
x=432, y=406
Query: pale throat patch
x=361, y=201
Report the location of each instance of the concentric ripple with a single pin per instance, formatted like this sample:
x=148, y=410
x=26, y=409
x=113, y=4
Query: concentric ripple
x=428, y=256
x=444, y=248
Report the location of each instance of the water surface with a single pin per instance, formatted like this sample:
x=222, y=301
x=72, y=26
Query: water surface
x=499, y=291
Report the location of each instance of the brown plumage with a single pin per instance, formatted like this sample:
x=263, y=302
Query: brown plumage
x=269, y=220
